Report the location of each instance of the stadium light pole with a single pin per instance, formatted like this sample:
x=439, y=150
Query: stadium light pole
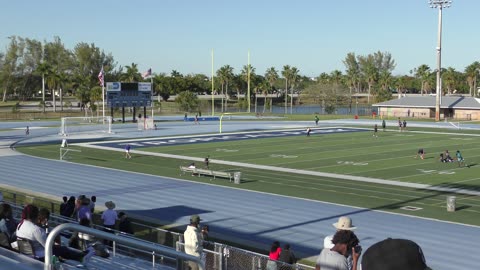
x=440, y=4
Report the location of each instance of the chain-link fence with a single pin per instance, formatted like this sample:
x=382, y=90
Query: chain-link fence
x=224, y=257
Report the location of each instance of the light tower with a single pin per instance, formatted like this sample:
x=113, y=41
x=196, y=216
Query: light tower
x=440, y=4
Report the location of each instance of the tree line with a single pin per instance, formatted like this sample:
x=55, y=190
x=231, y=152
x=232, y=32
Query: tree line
x=31, y=69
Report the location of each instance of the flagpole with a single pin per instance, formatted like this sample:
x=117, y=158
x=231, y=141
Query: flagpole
x=213, y=100
x=248, y=81
x=151, y=85
x=103, y=94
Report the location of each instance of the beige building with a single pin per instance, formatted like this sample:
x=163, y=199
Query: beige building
x=452, y=107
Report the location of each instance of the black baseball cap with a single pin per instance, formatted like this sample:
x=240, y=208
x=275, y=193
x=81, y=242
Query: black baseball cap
x=394, y=254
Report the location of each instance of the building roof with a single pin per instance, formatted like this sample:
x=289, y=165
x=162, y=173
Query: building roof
x=454, y=102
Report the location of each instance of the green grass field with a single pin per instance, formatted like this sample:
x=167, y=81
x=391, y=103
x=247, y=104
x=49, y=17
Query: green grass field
x=391, y=156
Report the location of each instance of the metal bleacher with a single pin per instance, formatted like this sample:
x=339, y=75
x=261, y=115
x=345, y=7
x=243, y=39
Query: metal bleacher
x=169, y=257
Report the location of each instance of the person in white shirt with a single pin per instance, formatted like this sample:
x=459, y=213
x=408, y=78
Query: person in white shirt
x=28, y=230
x=193, y=240
x=109, y=218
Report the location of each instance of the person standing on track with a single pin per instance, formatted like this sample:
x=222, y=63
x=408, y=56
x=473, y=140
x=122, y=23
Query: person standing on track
x=375, y=130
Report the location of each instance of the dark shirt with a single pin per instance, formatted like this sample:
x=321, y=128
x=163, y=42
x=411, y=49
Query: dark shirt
x=125, y=226
x=287, y=256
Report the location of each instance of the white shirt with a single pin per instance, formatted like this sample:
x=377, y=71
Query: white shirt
x=30, y=231
x=193, y=241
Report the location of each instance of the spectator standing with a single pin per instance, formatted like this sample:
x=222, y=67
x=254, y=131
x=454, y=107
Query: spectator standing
x=93, y=200
x=273, y=256
x=27, y=131
x=124, y=225
x=335, y=258
x=83, y=211
x=193, y=240
x=287, y=255
x=375, y=130
x=404, y=125
x=399, y=125
x=109, y=216
x=343, y=223
x=8, y=225
x=69, y=207
x=384, y=125
x=63, y=205
x=316, y=120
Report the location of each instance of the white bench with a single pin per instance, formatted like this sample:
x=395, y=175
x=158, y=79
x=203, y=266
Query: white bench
x=207, y=172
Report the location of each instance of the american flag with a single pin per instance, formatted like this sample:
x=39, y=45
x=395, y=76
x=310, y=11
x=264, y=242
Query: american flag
x=147, y=73
x=101, y=77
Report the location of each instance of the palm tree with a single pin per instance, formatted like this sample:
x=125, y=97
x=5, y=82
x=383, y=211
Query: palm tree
x=271, y=75
x=131, y=74
x=449, y=79
x=423, y=72
x=471, y=72
x=369, y=71
x=53, y=79
x=43, y=69
x=286, y=73
x=225, y=75
x=247, y=72
x=353, y=72
x=293, y=80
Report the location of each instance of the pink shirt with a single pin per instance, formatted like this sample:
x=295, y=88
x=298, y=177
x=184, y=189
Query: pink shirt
x=275, y=255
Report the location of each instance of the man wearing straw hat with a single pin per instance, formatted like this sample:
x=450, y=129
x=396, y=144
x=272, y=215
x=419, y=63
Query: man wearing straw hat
x=109, y=218
x=343, y=224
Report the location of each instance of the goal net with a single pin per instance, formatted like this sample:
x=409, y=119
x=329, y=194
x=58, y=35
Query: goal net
x=89, y=124
x=145, y=123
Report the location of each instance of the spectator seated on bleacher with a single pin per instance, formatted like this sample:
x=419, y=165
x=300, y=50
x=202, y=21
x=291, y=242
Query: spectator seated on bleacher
x=8, y=225
x=394, y=254
x=32, y=239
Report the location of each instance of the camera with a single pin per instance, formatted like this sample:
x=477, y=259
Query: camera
x=357, y=249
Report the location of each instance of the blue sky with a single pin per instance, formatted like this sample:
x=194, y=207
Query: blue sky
x=312, y=35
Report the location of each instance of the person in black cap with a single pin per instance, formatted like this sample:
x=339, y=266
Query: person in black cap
x=394, y=254
x=193, y=241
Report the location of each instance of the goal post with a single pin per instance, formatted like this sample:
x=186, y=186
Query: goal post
x=230, y=116
x=84, y=124
x=145, y=123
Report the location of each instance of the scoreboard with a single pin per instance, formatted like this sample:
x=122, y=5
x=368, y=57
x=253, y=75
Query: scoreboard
x=120, y=94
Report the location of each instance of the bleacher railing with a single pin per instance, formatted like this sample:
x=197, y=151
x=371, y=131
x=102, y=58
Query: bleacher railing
x=127, y=241
x=218, y=256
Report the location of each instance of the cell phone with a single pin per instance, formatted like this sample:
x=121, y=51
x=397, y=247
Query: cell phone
x=357, y=249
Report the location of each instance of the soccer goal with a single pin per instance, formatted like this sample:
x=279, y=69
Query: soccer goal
x=71, y=125
x=145, y=123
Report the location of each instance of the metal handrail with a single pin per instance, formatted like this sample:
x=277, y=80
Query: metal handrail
x=120, y=239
